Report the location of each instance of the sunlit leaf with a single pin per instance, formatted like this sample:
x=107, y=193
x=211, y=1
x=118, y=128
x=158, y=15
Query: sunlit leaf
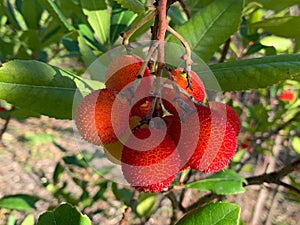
x=18, y=202
x=274, y=4
x=146, y=204
x=29, y=220
x=296, y=144
x=120, y=21
x=281, y=26
x=225, y=182
x=62, y=215
x=257, y=73
x=54, y=11
x=99, y=18
x=42, y=88
x=132, y=5
x=221, y=213
x=211, y=26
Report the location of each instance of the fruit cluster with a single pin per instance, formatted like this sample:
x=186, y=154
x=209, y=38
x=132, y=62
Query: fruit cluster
x=154, y=135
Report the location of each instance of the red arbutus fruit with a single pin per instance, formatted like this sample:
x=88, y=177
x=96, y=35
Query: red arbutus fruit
x=217, y=142
x=2, y=109
x=287, y=96
x=196, y=89
x=123, y=70
x=93, y=117
x=231, y=114
x=154, y=168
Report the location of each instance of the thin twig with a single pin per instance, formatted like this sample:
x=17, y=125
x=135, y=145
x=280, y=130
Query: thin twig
x=178, y=99
x=127, y=211
x=289, y=187
x=126, y=35
x=5, y=126
x=162, y=9
x=225, y=50
x=188, y=53
x=275, y=177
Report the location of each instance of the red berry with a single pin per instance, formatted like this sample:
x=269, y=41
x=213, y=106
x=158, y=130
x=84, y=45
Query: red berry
x=123, y=70
x=197, y=89
x=231, y=114
x=154, y=167
x=217, y=142
x=2, y=109
x=287, y=96
x=93, y=117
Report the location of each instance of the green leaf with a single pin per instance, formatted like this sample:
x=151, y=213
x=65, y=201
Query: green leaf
x=93, y=63
x=12, y=220
x=10, y=13
x=20, y=202
x=223, y=183
x=62, y=215
x=257, y=73
x=146, y=204
x=52, y=33
x=37, y=139
x=32, y=11
x=120, y=21
x=176, y=15
x=274, y=4
x=41, y=88
x=279, y=43
x=143, y=29
x=29, y=220
x=221, y=213
x=194, y=6
x=58, y=173
x=296, y=144
x=281, y=26
x=211, y=26
x=32, y=39
x=133, y=5
x=56, y=13
x=87, y=54
x=99, y=18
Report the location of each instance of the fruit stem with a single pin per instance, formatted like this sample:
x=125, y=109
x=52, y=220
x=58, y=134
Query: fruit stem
x=162, y=9
x=180, y=102
x=126, y=35
x=188, y=53
x=127, y=211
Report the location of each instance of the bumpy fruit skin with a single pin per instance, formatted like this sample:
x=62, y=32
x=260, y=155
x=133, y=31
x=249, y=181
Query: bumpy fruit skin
x=93, y=117
x=155, y=168
x=124, y=69
x=198, y=89
x=231, y=114
x=217, y=142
